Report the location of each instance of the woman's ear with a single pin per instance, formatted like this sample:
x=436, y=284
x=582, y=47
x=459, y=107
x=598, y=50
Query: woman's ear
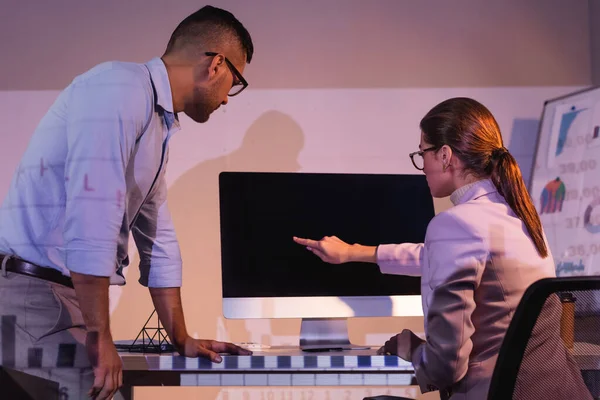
x=446, y=155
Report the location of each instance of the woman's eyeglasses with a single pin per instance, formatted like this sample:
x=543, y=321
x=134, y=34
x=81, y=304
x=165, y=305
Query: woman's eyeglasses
x=417, y=157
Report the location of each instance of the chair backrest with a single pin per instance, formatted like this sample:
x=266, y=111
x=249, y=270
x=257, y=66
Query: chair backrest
x=552, y=345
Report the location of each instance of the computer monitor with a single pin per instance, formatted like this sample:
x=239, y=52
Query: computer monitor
x=265, y=274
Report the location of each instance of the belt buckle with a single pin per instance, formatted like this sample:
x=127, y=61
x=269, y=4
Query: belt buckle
x=3, y=266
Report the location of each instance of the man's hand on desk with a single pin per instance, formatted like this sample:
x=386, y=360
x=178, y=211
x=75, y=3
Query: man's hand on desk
x=210, y=349
x=167, y=302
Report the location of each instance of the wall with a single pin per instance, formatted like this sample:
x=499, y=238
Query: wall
x=333, y=43
x=336, y=86
x=595, y=40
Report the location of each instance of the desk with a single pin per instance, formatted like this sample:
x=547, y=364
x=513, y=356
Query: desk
x=281, y=366
x=587, y=357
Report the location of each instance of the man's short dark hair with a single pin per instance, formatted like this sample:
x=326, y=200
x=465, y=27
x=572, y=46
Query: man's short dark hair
x=209, y=26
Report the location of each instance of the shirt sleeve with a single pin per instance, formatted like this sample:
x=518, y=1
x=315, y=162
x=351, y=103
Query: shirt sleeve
x=456, y=259
x=106, y=113
x=154, y=235
x=400, y=259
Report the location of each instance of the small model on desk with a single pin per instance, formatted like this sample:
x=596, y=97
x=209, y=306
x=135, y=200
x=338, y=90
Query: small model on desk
x=149, y=340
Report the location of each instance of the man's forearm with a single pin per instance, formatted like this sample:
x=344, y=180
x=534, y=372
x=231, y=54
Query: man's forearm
x=92, y=294
x=167, y=302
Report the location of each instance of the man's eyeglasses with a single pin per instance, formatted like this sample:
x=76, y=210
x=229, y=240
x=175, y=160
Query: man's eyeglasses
x=239, y=83
x=417, y=157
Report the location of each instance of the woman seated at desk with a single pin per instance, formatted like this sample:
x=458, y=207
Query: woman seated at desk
x=477, y=260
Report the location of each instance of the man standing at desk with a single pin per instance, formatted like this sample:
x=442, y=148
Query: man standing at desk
x=93, y=172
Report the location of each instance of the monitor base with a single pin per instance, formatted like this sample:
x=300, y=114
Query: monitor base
x=326, y=334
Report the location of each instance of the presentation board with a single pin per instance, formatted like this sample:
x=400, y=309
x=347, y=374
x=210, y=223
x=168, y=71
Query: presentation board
x=565, y=183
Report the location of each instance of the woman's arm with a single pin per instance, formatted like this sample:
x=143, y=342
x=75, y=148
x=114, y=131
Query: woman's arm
x=400, y=259
x=456, y=260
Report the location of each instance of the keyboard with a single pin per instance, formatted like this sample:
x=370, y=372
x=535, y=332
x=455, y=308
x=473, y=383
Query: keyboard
x=253, y=346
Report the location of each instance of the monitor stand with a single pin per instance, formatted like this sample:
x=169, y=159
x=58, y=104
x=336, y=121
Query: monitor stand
x=326, y=334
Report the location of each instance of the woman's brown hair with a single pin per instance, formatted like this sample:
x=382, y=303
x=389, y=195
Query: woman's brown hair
x=473, y=134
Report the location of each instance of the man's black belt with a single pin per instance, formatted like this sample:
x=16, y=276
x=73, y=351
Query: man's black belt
x=18, y=266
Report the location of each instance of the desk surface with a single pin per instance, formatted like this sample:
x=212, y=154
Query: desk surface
x=287, y=366
x=292, y=359
x=278, y=359
x=587, y=355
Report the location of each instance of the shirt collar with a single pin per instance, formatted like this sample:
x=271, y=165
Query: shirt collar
x=160, y=79
x=472, y=191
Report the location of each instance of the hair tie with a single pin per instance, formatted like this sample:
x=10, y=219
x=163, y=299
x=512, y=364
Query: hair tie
x=499, y=152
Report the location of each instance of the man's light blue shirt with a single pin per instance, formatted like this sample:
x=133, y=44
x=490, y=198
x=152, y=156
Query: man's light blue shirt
x=93, y=172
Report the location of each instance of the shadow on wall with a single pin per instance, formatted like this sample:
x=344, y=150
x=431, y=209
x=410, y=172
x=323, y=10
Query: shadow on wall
x=523, y=140
x=272, y=143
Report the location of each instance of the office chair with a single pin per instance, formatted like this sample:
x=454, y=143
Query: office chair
x=565, y=312
x=569, y=308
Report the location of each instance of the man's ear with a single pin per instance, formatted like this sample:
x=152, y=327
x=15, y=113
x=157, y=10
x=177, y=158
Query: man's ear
x=216, y=67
